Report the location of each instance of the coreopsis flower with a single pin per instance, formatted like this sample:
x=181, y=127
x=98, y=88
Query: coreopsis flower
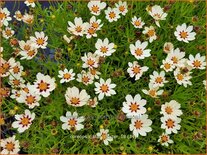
x=158, y=79
x=17, y=69
x=135, y=70
x=72, y=121
x=16, y=81
x=30, y=98
x=15, y=94
x=112, y=14
x=95, y=73
x=165, y=140
x=30, y=3
x=134, y=106
x=104, y=88
x=104, y=48
x=18, y=15
x=10, y=145
x=85, y=77
x=6, y=66
x=90, y=31
x=4, y=92
x=23, y=121
x=140, y=126
x=66, y=75
x=137, y=22
x=95, y=6
x=40, y=40
x=78, y=28
x=150, y=32
x=171, y=109
x=90, y=60
x=27, y=18
x=5, y=16
x=122, y=7
x=139, y=50
x=157, y=13
x=171, y=125
x=182, y=78
x=204, y=83
x=154, y=92
x=175, y=56
x=68, y=40
x=76, y=98
x=168, y=47
x=27, y=50
x=95, y=23
x=104, y=136
x=44, y=84
x=92, y=102
x=7, y=33
x=167, y=65
x=197, y=62
x=184, y=33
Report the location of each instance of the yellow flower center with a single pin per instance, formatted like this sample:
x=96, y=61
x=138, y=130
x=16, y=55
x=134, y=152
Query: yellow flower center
x=138, y=124
x=30, y=99
x=197, y=63
x=138, y=52
x=10, y=146
x=43, y=86
x=95, y=8
x=170, y=123
x=75, y=100
x=167, y=66
x=72, y=122
x=159, y=80
x=67, y=76
x=112, y=15
x=137, y=23
x=134, y=107
x=104, y=88
x=136, y=69
x=180, y=77
x=183, y=34
x=40, y=41
x=168, y=110
x=104, y=49
x=151, y=33
x=78, y=29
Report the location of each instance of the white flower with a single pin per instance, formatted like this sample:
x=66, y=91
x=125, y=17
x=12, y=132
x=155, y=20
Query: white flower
x=30, y=3
x=104, y=48
x=204, y=83
x=135, y=70
x=95, y=6
x=4, y=16
x=90, y=60
x=158, y=79
x=165, y=140
x=168, y=47
x=175, y=56
x=153, y=91
x=171, y=125
x=184, y=33
x=15, y=94
x=17, y=69
x=27, y=50
x=139, y=50
x=104, y=88
x=76, y=98
x=94, y=73
x=167, y=65
x=140, y=126
x=6, y=66
x=104, y=136
x=66, y=75
x=18, y=15
x=27, y=18
x=16, y=81
x=85, y=77
x=30, y=98
x=137, y=22
x=122, y=7
x=44, y=84
x=171, y=109
x=92, y=102
x=150, y=31
x=95, y=23
x=9, y=145
x=182, y=78
x=134, y=107
x=7, y=33
x=72, y=121
x=197, y=62
x=112, y=14
x=40, y=40
x=90, y=31
x=157, y=13
x=24, y=121
x=78, y=28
